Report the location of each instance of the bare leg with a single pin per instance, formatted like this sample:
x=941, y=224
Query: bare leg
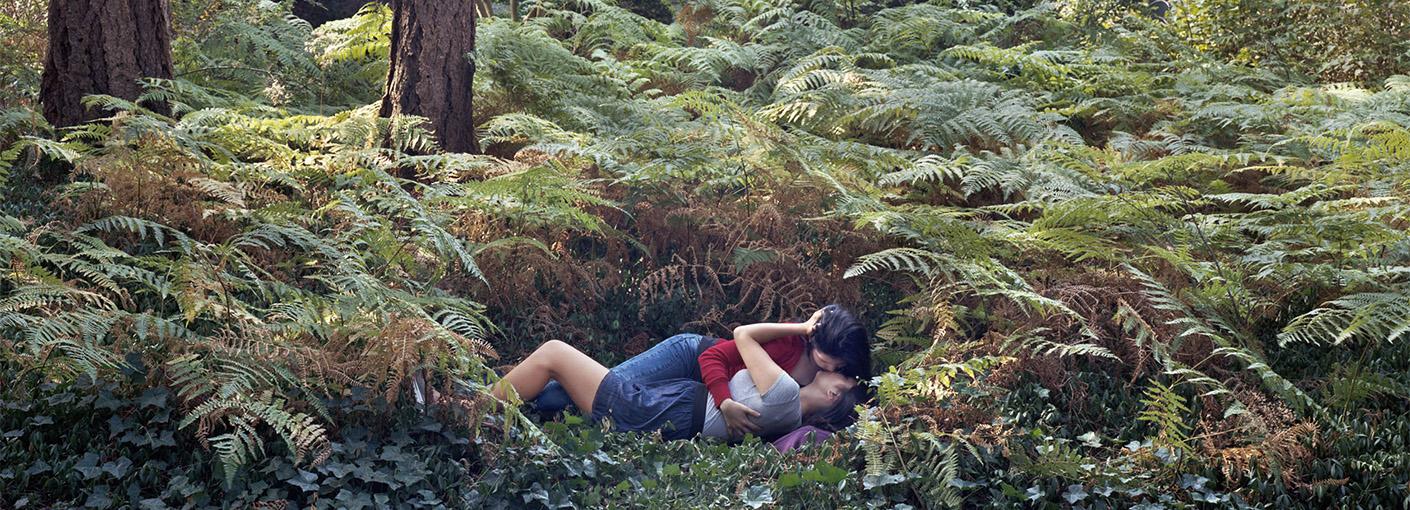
x=555, y=360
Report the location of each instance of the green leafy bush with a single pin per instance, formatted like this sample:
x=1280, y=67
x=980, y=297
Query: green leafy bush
x=1108, y=263
x=1356, y=41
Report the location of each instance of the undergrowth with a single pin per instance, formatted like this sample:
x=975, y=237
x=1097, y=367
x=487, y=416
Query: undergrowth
x=1105, y=267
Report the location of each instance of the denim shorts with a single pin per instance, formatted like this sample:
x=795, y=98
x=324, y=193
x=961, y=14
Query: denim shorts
x=676, y=357
x=676, y=407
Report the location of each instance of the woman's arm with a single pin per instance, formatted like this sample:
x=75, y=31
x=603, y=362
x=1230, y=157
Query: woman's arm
x=749, y=339
x=720, y=362
x=714, y=369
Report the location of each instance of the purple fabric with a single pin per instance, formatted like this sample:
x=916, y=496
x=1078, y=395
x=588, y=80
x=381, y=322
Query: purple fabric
x=803, y=436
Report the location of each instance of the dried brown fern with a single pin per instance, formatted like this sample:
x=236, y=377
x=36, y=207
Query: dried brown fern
x=1266, y=438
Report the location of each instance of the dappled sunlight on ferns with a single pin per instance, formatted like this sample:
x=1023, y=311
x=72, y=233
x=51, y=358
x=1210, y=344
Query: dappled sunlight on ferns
x=1100, y=263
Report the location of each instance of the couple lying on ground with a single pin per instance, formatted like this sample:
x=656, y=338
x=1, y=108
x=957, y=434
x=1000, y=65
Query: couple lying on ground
x=771, y=379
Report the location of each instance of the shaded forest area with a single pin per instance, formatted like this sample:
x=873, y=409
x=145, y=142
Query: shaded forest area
x=1113, y=254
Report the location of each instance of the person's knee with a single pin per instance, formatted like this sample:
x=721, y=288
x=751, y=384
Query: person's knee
x=553, y=352
x=556, y=347
x=544, y=355
x=549, y=347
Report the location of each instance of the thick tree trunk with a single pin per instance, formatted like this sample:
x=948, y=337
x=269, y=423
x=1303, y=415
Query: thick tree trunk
x=431, y=70
x=102, y=47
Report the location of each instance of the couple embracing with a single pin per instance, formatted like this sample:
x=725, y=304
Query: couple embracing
x=770, y=379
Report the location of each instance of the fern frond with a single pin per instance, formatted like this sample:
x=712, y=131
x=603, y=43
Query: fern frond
x=1166, y=410
x=1367, y=317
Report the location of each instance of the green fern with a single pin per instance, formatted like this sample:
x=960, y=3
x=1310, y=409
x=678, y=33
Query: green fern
x=1167, y=410
x=1367, y=317
x=1054, y=460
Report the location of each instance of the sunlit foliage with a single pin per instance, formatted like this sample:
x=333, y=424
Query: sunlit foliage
x=1106, y=261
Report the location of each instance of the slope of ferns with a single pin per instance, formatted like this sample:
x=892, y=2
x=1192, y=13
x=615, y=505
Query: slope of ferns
x=1103, y=268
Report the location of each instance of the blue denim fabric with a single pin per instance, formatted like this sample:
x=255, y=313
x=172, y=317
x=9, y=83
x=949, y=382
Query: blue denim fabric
x=673, y=358
x=668, y=406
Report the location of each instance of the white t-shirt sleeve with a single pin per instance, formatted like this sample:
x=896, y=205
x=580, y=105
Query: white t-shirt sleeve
x=784, y=390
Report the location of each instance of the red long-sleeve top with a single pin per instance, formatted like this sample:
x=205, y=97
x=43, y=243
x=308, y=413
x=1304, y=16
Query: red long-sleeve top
x=721, y=361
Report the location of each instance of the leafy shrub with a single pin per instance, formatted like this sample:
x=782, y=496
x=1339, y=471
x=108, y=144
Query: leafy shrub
x=1358, y=41
x=104, y=445
x=1106, y=266
x=22, y=27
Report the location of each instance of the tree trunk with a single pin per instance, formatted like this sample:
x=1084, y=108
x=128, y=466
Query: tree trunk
x=431, y=70
x=102, y=47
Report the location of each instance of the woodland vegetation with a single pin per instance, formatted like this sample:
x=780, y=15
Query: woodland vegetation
x=1114, y=254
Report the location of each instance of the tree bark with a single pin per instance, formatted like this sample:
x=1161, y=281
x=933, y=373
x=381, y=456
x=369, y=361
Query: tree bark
x=102, y=47
x=431, y=71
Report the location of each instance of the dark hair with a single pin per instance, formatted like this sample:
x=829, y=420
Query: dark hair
x=844, y=413
x=839, y=334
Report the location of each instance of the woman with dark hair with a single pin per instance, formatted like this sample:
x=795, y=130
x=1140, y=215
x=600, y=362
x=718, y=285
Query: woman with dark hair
x=839, y=344
x=679, y=407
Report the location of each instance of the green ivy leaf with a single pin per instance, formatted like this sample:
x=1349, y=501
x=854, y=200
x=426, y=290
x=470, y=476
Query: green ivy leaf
x=118, y=468
x=536, y=493
x=757, y=496
x=338, y=469
x=881, y=480
x=154, y=397
x=825, y=473
x=305, y=481
x=38, y=467
x=88, y=466
x=98, y=498
x=1075, y=493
